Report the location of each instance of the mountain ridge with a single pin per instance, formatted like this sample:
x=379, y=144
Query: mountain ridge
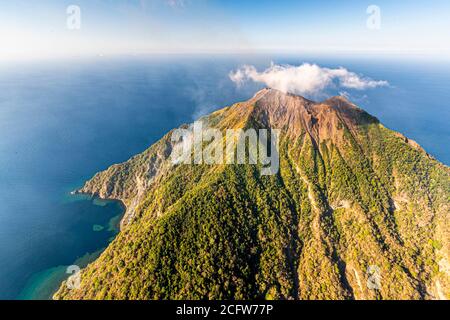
x=238, y=110
x=350, y=194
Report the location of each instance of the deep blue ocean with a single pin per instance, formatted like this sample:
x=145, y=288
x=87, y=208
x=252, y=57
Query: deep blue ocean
x=62, y=121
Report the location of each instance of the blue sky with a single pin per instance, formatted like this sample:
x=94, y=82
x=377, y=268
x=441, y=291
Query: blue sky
x=36, y=29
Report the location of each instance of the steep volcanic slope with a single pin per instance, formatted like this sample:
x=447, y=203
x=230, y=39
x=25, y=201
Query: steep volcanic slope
x=351, y=198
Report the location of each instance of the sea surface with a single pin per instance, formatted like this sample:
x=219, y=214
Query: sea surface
x=62, y=121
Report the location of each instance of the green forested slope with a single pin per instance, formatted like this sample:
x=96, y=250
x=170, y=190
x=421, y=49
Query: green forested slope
x=350, y=195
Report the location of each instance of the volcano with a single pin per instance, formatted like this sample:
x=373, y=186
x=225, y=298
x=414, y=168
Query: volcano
x=355, y=211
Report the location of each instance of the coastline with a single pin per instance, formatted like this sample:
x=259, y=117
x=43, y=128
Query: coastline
x=95, y=196
x=44, y=284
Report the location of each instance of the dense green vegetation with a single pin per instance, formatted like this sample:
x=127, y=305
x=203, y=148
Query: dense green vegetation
x=357, y=197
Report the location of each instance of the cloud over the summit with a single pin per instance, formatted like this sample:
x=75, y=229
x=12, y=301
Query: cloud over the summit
x=306, y=79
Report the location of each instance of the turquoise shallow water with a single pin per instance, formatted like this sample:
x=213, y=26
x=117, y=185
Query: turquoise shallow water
x=63, y=121
x=43, y=284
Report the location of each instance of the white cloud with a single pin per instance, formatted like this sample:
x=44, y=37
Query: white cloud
x=306, y=79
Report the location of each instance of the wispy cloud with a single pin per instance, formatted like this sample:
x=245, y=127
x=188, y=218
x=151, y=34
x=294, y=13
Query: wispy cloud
x=306, y=79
